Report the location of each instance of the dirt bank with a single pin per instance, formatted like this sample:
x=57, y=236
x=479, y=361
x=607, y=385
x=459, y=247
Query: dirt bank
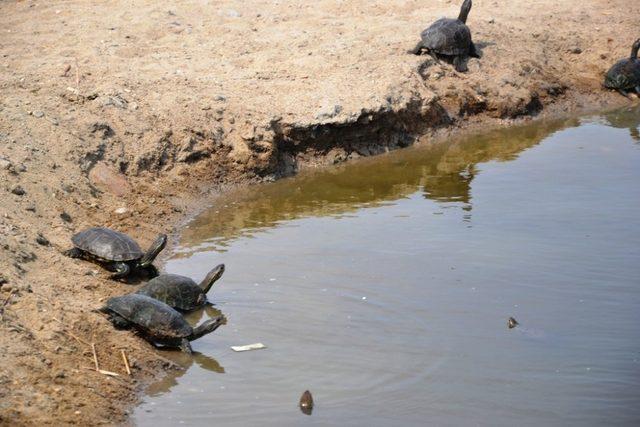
x=125, y=114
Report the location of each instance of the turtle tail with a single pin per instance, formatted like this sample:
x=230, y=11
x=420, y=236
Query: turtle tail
x=157, y=246
x=211, y=278
x=207, y=327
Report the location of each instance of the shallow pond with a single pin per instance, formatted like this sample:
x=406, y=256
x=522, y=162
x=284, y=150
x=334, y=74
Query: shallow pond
x=384, y=286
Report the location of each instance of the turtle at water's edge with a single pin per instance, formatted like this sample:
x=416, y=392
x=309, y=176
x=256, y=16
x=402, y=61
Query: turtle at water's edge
x=114, y=250
x=181, y=292
x=449, y=38
x=156, y=321
x=624, y=75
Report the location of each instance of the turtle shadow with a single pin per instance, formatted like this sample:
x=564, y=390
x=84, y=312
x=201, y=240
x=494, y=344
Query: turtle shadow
x=480, y=46
x=184, y=362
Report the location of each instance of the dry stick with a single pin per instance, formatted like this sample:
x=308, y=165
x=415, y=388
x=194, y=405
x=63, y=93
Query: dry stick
x=126, y=362
x=95, y=356
x=77, y=77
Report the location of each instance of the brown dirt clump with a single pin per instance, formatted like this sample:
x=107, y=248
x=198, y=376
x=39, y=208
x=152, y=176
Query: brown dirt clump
x=121, y=113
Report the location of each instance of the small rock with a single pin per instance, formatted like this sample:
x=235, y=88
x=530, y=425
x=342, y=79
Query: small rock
x=31, y=207
x=21, y=168
x=117, y=101
x=328, y=111
x=38, y=114
x=105, y=178
x=121, y=210
x=66, y=217
x=3, y=280
x=220, y=98
x=576, y=50
x=306, y=403
x=41, y=240
x=5, y=163
x=18, y=191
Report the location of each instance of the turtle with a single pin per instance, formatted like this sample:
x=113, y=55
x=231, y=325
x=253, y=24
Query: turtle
x=449, y=38
x=156, y=321
x=306, y=403
x=114, y=250
x=181, y=292
x=624, y=75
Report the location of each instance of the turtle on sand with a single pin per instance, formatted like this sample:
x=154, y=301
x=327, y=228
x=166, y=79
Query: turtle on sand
x=156, y=321
x=115, y=251
x=449, y=37
x=624, y=75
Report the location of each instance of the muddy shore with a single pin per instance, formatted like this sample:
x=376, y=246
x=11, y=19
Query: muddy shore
x=134, y=117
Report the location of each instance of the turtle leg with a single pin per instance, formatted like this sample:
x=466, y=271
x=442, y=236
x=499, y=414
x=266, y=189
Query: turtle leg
x=416, y=50
x=460, y=62
x=73, y=253
x=623, y=93
x=119, y=322
x=473, y=52
x=638, y=90
x=185, y=346
x=121, y=269
x=433, y=55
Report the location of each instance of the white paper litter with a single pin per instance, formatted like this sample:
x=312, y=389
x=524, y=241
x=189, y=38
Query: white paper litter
x=256, y=346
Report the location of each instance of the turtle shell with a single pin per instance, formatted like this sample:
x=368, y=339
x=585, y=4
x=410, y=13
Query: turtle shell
x=625, y=74
x=107, y=244
x=151, y=316
x=177, y=291
x=447, y=36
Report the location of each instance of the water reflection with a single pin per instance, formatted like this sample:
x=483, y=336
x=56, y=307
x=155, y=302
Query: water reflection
x=625, y=118
x=185, y=361
x=444, y=172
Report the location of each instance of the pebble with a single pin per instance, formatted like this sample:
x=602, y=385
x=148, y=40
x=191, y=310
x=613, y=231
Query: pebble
x=5, y=163
x=38, y=114
x=121, y=210
x=41, y=240
x=18, y=191
x=66, y=217
x=576, y=50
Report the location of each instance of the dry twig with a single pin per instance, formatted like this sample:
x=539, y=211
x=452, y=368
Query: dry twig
x=126, y=362
x=95, y=356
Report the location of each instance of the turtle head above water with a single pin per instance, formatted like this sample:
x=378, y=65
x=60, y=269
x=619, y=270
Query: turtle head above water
x=156, y=247
x=211, y=278
x=634, y=49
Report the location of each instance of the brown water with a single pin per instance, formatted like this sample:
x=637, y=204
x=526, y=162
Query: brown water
x=385, y=286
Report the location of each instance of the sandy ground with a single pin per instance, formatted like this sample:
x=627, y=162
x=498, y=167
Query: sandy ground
x=125, y=114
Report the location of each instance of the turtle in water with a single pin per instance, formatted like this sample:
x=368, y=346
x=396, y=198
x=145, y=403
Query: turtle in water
x=449, y=38
x=180, y=292
x=156, y=321
x=115, y=251
x=624, y=76
x=306, y=403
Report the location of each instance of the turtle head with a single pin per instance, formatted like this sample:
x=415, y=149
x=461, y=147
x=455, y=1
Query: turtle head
x=207, y=327
x=634, y=49
x=155, y=248
x=211, y=278
x=464, y=11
